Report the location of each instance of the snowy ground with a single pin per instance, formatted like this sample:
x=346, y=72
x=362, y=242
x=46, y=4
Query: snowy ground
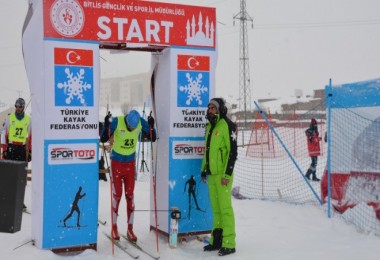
x=265, y=230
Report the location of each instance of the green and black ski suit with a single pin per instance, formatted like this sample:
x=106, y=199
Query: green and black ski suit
x=218, y=162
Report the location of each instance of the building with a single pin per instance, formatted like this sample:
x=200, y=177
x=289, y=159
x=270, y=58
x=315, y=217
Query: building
x=131, y=90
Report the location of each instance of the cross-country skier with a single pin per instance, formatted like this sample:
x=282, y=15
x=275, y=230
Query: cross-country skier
x=123, y=132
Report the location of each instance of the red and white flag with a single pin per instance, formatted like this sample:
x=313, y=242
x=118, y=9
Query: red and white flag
x=73, y=57
x=192, y=62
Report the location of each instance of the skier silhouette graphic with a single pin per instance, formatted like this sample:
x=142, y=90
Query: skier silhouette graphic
x=74, y=207
x=191, y=191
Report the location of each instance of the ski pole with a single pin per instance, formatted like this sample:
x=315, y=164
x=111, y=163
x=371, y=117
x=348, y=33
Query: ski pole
x=111, y=180
x=138, y=150
x=30, y=241
x=154, y=183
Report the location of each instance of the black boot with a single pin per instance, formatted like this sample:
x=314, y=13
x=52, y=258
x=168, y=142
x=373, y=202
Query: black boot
x=226, y=251
x=217, y=235
x=308, y=173
x=315, y=176
x=102, y=176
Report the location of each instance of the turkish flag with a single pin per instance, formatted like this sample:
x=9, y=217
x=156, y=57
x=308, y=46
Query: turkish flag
x=73, y=57
x=192, y=62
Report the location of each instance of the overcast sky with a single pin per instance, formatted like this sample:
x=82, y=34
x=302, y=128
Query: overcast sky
x=295, y=44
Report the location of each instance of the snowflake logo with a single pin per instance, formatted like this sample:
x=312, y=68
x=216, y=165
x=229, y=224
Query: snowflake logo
x=233, y=136
x=194, y=89
x=74, y=86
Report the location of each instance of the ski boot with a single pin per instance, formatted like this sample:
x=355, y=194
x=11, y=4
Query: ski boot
x=217, y=240
x=115, y=232
x=226, y=251
x=131, y=236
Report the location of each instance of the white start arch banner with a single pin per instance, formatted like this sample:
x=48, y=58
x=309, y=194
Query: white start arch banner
x=131, y=22
x=61, y=40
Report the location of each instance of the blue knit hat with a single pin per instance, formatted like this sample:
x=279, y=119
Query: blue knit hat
x=133, y=118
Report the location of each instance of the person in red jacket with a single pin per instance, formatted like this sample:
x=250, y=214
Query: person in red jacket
x=314, y=148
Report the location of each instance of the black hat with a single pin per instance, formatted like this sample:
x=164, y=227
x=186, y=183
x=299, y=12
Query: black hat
x=20, y=102
x=220, y=104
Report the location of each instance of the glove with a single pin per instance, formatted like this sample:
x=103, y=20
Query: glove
x=107, y=119
x=150, y=120
x=203, y=174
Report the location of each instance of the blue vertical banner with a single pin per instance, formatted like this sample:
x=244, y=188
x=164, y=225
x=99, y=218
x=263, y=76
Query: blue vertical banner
x=70, y=156
x=186, y=189
x=71, y=193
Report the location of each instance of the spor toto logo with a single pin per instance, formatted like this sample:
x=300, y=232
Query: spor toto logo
x=188, y=149
x=68, y=154
x=67, y=17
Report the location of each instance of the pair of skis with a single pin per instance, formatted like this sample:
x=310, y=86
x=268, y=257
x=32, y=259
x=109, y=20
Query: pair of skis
x=127, y=249
x=124, y=248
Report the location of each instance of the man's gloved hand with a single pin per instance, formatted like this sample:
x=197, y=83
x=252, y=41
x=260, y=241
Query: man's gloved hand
x=203, y=175
x=107, y=119
x=225, y=180
x=151, y=120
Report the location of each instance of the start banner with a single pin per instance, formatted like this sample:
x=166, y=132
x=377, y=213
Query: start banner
x=135, y=22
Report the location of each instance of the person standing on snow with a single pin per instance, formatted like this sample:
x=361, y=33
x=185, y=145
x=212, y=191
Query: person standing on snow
x=124, y=132
x=314, y=148
x=18, y=134
x=217, y=166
